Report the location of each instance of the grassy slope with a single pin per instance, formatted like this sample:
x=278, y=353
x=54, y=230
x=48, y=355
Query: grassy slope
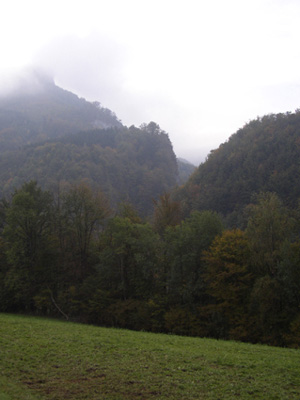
x=46, y=359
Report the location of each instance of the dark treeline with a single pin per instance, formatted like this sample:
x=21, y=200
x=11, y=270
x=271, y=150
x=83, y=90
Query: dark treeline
x=67, y=254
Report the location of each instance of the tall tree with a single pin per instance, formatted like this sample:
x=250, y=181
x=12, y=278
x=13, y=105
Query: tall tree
x=128, y=258
x=28, y=242
x=228, y=280
x=83, y=213
x=269, y=231
x=269, y=226
x=185, y=245
x=167, y=212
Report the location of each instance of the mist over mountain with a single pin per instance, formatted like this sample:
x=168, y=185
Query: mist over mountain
x=51, y=135
x=113, y=230
x=185, y=169
x=35, y=109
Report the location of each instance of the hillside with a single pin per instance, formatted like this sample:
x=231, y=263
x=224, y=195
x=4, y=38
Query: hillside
x=185, y=170
x=262, y=156
x=128, y=164
x=39, y=110
x=50, y=135
x=47, y=359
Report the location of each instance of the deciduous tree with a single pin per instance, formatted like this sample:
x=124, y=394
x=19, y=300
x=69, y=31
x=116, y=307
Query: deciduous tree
x=228, y=281
x=28, y=242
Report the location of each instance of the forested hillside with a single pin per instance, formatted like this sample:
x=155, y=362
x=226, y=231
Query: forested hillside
x=185, y=170
x=91, y=230
x=128, y=164
x=262, y=156
x=39, y=110
x=50, y=135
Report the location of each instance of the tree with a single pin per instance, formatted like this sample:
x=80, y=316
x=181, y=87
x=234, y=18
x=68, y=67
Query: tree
x=269, y=231
x=269, y=227
x=275, y=301
x=166, y=213
x=126, y=210
x=128, y=258
x=184, y=248
x=153, y=128
x=228, y=281
x=82, y=216
x=28, y=243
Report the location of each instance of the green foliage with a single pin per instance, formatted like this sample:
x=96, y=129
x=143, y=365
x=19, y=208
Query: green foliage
x=28, y=243
x=182, y=320
x=261, y=157
x=81, y=219
x=128, y=165
x=273, y=304
x=51, y=136
x=268, y=319
x=62, y=253
x=269, y=226
x=166, y=213
x=184, y=248
x=66, y=256
x=128, y=256
x=229, y=283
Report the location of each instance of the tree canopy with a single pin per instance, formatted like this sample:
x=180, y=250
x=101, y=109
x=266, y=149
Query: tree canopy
x=260, y=157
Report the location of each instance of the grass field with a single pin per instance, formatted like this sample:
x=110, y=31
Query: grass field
x=47, y=359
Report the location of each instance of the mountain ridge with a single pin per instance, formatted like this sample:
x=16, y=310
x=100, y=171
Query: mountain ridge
x=50, y=135
x=262, y=156
x=37, y=109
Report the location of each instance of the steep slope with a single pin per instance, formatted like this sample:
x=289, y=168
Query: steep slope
x=185, y=170
x=262, y=156
x=38, y=110
x=128, y=164
x=50, y=135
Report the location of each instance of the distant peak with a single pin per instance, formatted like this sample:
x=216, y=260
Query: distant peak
x=184, y=161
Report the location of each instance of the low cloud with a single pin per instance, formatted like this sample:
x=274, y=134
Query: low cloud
x=90, y=66
x=27, y=80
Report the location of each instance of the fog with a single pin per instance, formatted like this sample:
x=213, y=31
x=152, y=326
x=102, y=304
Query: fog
x=23, y=81
x=199, y=69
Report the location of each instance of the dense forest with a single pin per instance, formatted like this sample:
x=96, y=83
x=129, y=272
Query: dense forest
x=127, y=164
x=261, y=156
x=50, y=135
x=94, y=229
x=70, y=256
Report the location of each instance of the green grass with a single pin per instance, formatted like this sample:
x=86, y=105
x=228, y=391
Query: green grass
x=47, y=359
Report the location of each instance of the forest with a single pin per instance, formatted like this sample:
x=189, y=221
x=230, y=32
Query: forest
x=69, y=255
x=40, y=110
x=127, y=164
x=52, y=136
x=261, y=156
x=103, y=224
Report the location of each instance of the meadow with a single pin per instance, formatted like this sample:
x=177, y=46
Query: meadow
x=48, y=359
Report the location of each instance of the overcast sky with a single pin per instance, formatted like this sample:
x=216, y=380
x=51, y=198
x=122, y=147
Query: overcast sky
x=201, y=69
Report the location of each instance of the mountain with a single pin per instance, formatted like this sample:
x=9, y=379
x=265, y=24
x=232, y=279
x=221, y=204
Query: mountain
x=262, y=156
x=49, y=135
x=38, y=110
x=185, y=170
x=127, y=164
